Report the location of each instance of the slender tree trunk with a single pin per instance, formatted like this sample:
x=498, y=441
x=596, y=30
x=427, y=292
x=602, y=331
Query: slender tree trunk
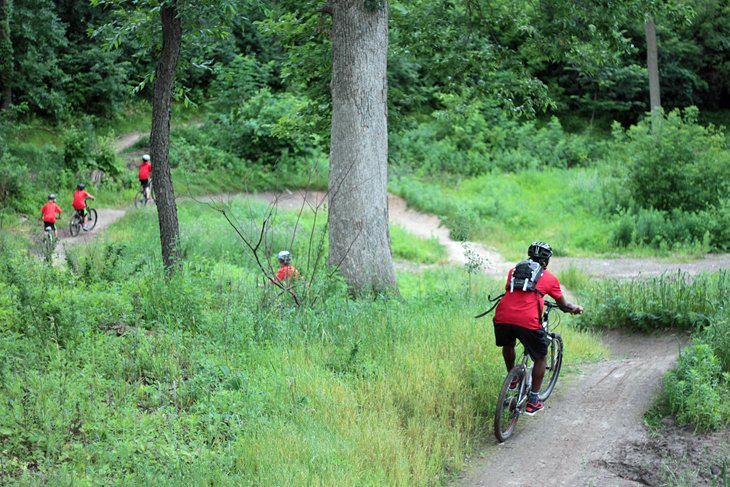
x=359, y=238
x=6, y=56
x=652, y=65
x=160, y=135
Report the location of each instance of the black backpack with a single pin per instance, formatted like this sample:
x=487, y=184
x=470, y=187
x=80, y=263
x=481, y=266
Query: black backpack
x=525, y=276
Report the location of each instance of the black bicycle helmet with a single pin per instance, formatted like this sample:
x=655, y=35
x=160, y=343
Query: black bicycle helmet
x=81, y=186
x=540, y=252
x=51, y=196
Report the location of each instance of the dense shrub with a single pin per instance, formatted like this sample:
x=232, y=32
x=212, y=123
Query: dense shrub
x=13, y=182
x=676, y=163
x=696, y=389
x=265, y=129
x=702, y=231
x=470, y=138
x=238, y=80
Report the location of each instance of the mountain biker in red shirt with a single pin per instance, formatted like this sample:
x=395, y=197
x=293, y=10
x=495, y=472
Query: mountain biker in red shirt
x=286, y=270
x=79, y=202
x=145, y=171
x=49, y=212
x=518, y=316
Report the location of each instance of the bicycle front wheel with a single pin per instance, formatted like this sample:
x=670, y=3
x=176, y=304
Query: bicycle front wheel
x=91, y=219
x=554, y=363
x=509, y=404
x=74, y=226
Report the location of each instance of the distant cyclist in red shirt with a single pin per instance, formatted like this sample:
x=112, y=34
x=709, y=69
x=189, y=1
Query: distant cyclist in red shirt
x=79, y=202
x=49, y=212
x=145, y=171
x=286, y=270
x=518, y=316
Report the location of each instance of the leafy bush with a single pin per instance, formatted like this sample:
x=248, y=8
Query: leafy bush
x=702, y=231
x=717, y=335
x=697, y=389
x=13, y=181
x=240, y=79
x=469, y=138
x=266, y=129
x=678, y=164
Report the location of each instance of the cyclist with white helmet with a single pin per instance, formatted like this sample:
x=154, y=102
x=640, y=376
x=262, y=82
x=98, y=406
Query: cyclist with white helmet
x=145, y=171
x=49, y=212
x=286, y=270
x=518, y=313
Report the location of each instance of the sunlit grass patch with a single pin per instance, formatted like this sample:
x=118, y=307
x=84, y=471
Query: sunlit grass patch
x=409, y=247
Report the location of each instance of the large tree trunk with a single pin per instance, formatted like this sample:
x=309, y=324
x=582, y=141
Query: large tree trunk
x=359, y=239
x=6, y=56
x=160, y=135
x=652, y=64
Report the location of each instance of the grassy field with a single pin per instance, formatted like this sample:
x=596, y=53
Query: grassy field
x=112, y=373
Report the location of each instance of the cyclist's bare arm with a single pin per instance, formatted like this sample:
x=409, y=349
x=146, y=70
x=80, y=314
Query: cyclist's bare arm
x=567, y=307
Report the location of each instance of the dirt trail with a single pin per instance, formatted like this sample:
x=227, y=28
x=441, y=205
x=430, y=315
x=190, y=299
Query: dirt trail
x=592, y=414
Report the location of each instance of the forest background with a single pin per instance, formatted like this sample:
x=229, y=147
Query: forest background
x=497, y=112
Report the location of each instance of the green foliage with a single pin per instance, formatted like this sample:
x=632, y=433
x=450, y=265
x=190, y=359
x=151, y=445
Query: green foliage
x=83, y=152
x=406, y=246
x=266, y=130
x=99, y=79
x=238, y=80
x=696, y=389
x=13, y=181
x=110, y=371
x=508, y=210
x=669, y=301
x=679, y=164
x=39, y=77
x=470, y=138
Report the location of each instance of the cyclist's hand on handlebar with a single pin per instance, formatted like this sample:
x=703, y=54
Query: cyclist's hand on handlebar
x=577, y=310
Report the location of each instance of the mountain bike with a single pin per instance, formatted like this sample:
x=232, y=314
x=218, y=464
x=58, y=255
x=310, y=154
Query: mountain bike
x=513, y=399
x=140, y=200
x=48, y=244
x=77, y=220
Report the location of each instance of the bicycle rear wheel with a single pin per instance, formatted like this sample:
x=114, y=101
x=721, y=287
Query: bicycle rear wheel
x=91, y=219
x=139, y=200
x=74, y=226
x=554, y=363
x=509, y=405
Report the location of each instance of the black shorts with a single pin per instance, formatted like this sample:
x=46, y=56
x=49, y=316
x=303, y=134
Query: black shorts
x=145, y=183
x=47, y=225
x=535, y=341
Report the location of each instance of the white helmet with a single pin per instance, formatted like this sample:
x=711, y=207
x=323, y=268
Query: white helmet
x=146, y=157
x=284, y=256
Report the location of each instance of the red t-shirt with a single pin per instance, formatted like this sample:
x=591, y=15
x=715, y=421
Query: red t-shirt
x=145, y=169
x=80, y=196
x=287, y=271
x=521, y=307
x=49, y=211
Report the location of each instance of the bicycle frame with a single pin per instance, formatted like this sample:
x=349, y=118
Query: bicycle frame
x=512, y=402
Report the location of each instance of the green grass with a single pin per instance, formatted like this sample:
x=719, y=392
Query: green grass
x=217, y=381
x=509, y=211
x=408, y=247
